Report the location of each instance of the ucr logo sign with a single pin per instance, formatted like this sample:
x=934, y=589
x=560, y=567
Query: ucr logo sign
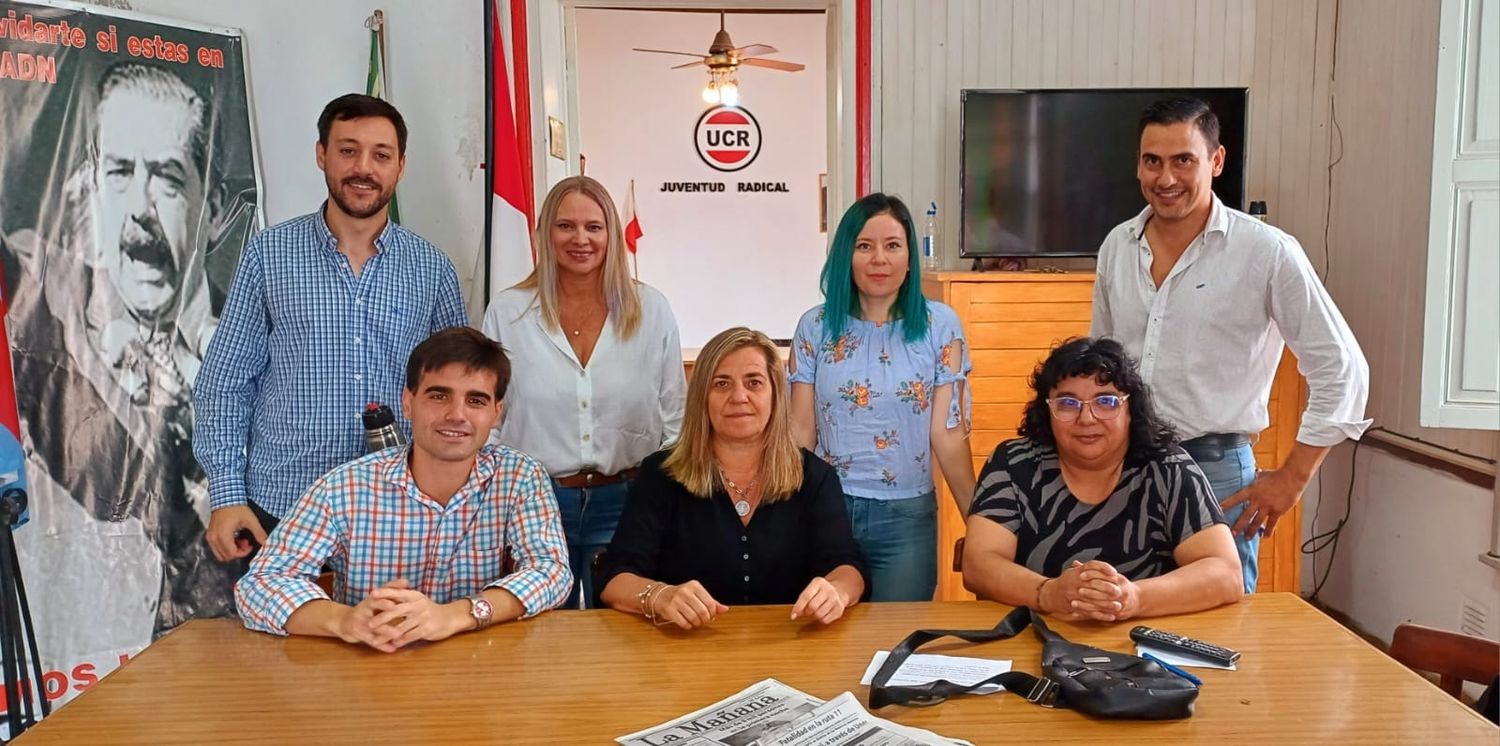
x=727, y=138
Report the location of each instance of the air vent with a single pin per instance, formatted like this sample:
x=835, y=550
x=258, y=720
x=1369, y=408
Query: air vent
x=1474, y=619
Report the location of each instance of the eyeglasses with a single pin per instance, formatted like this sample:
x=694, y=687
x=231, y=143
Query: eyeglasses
x=1104, y=407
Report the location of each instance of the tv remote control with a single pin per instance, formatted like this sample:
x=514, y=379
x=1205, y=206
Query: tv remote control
x=1176, y=643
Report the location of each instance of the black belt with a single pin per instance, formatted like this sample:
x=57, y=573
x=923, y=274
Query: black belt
x=1213, y=446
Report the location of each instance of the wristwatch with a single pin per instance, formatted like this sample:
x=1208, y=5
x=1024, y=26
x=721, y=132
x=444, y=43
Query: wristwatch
x=482, y=611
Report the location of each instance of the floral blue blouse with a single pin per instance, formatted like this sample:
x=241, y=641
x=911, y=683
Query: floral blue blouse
x=873, y=395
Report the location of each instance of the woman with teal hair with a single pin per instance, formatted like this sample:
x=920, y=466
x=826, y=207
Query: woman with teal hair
x=879, y=390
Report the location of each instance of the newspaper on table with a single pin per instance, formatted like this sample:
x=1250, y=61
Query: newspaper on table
x=771, y=713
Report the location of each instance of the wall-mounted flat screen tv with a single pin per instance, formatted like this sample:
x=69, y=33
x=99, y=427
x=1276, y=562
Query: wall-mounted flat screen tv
x=1050, y=172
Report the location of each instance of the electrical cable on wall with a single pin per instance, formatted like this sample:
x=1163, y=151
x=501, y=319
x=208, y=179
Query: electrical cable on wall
x=1329, y=538
x=1333, y=118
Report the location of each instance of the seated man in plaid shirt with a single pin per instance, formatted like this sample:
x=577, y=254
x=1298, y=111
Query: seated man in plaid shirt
x=444, y=536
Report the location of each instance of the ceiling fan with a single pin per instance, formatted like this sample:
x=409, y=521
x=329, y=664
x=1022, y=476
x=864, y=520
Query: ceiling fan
x=723, y=59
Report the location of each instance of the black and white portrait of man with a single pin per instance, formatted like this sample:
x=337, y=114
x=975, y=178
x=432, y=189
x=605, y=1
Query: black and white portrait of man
x=122, y=211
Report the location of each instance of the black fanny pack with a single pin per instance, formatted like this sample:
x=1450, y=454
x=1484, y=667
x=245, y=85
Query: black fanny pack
x=1096, y=682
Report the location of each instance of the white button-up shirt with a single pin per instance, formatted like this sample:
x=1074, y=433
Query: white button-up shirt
x=624, y=406
x=1209, y=339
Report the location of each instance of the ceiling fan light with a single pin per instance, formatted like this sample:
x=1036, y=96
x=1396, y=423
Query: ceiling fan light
x=729, y=94
x=710, y=93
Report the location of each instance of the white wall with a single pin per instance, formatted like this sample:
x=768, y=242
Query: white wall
x=303, y=54
x=723, y=259
x=1410, y=551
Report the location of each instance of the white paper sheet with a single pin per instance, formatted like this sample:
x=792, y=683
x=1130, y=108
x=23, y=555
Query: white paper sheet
x=1178, y=659
x=921, y=669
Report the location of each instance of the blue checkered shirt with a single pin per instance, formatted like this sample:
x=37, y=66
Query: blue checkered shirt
x=368, y=520
x=302, y=346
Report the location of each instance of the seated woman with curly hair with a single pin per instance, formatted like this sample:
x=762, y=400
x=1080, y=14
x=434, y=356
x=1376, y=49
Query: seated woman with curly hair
x=1095, y=512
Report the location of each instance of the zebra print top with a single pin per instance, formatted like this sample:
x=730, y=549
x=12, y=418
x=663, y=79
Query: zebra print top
x=1157, y=505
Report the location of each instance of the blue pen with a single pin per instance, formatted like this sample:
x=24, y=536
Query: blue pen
x=1174, y=669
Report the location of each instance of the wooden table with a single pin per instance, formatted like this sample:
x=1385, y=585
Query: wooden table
x=588, y=677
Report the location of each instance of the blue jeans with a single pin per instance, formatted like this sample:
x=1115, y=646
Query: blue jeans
x=1227, y=476
x=898, y=539
x=589, y=516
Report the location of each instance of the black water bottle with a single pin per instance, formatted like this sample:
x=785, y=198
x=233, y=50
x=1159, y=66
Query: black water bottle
x=380, y=428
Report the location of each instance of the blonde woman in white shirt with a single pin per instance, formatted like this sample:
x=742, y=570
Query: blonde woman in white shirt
x=598, y=382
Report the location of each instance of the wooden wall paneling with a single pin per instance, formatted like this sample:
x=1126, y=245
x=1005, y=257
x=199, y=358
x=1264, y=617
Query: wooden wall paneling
x=1379, y=223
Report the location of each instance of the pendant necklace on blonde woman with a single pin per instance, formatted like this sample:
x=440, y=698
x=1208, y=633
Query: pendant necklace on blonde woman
x=584, y=318
x=741, y=505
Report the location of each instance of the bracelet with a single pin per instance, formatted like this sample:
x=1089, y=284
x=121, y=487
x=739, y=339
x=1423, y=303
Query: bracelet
x=644, y=594
x=1039, y=588
x=651, y=604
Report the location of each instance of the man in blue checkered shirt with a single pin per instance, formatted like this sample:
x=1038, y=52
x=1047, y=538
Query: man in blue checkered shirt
x=322, y=315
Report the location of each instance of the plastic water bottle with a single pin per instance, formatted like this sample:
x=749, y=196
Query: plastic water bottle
x=380, y=428
x=930, y=261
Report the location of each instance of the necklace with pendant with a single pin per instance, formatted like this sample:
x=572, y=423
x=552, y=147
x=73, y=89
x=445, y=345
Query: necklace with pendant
x=583, y=323
x=742, y=505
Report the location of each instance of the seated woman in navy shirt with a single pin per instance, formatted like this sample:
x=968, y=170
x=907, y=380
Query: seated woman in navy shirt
x=1096, y=512
x=734, y=513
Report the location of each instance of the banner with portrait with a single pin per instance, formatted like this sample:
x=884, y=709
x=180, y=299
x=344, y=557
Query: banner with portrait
x=128, y=186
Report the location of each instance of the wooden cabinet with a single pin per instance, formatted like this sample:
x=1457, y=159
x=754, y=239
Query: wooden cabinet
x=1012, y=320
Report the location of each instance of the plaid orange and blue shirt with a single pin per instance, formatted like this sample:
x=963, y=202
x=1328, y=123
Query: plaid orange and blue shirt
x=371, y=524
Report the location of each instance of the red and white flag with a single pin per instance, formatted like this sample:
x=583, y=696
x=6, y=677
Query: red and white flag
x=510, y=250
x=633, y=231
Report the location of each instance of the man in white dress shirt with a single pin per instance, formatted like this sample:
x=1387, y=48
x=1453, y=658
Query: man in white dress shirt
x=1204, y=296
